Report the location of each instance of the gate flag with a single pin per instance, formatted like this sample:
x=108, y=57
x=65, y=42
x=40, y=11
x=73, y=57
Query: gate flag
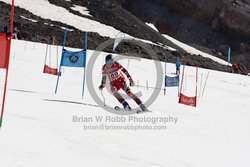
x=171, y=81
x=49, y=70
x=183, y=99
x=190, y=101
x=3, y=49
x=5, y=44
x=73, y=59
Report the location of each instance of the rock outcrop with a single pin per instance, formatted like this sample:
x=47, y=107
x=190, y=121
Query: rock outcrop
x=208, y=23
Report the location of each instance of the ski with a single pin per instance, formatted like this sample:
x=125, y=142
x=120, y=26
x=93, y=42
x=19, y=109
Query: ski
x=119, y=108
x=138, y=111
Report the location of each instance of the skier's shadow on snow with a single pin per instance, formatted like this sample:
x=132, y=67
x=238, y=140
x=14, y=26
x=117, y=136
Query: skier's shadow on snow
x=71, y=102
x=20, y=90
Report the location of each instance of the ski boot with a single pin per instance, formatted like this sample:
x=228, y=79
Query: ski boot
x=126, y=106
x=143, y=108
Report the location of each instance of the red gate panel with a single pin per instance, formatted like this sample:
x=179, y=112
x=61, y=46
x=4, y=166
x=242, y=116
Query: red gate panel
x=191, y=101
x=49, y=70
x=3, y=49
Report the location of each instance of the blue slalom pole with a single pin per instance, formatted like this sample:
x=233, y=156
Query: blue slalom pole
x=179, y=77
x=85, y=60
x=179, y=85
x=86, y=40
x=84, y=78
x=229, y=55
x=165, y=73
x=59, y=73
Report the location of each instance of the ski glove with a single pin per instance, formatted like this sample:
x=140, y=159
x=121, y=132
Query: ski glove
x=132, y=83
x=101, y=87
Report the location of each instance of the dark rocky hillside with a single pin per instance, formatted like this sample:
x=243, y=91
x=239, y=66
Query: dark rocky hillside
x=213, y=24
x=116, y=13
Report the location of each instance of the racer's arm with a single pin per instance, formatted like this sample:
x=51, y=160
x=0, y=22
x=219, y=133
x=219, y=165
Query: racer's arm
x=126, y=73
x=132, y=83
x=104, y=77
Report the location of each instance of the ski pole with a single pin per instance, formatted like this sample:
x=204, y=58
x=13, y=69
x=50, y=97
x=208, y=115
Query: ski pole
x=205, y=85
x=200, y=86
x=104, y=104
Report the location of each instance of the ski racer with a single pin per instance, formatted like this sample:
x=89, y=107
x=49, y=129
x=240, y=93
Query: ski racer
x=117, y=80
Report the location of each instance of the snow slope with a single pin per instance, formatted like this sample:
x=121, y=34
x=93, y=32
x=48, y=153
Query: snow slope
x=47, y=10
x=38, y=128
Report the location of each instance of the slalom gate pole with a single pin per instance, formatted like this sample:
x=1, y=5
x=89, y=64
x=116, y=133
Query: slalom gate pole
x=196, y=87
x=58, y=76
x=57, y=56
x=53, y=40
x=128, y=64
x=201, y=85
x=104, y=103
x=50, y=55
x=165, y=73
x=183, y=71
x=4, y=95
x=205, y=85
x=60, y=68
x=185, y=79
x=84, y=78
x=25, y=46
x=229, y=55
x=84, y=65
x=8, y=58
x=149, y=87
x=46, y=52
x=84, y=74
x=86, y=40
x=179, y=86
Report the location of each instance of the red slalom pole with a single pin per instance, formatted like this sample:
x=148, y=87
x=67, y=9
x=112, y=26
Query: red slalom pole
x=7, y=60
x=196, y=89
x=12, y=17
x=183, y=71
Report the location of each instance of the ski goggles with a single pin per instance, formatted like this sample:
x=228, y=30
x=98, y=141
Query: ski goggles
x=110, y=61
